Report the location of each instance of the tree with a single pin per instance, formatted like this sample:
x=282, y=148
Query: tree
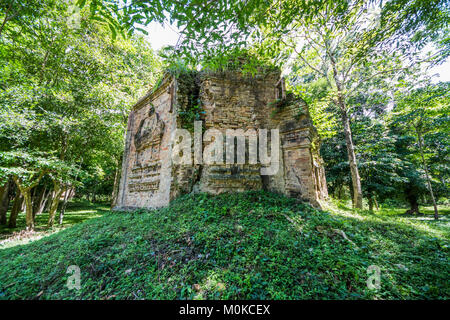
x=379, y=163
x=66, y=90
x=337, y=49
x=422, y=112
x=62, y=176
x=347, y=50
x=26, y=170
x=4, y=201
x=17, y=204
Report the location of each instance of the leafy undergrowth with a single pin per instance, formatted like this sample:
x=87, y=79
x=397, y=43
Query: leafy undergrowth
x=253, y=245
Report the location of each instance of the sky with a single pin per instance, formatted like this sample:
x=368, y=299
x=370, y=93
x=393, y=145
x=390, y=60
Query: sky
x=443, y=70
x=160, y=36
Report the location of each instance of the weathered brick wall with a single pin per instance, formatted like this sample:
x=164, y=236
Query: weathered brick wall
x=146, y=169
x=234, y=101
x=304, y=176
x=229, y=100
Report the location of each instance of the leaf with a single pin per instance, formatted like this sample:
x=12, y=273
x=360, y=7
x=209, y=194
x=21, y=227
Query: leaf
x=143, y=31
x=113, y=31
x=81, y=3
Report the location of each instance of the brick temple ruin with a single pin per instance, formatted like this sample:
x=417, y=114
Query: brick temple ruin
x=222, y=100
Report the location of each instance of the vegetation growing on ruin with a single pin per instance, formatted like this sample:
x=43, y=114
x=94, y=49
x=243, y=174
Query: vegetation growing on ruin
x=188, y=97
x=187, y=91
x=246, y=62
x=254, y=245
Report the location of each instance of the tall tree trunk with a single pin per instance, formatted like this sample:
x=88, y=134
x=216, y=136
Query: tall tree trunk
x=356, y=180
x=17, y=204
x=54, y=203
x=22, y=208
x=350, y=191
x=51, y=195
x=38, y=199
x=370, y=200
x=44, y=202
x=376, y=202
x=25, y=190
x=411, y=197
x=28, y=208
x=64, y=205
x=115, y=191
x=430, y=188
x=4, y=202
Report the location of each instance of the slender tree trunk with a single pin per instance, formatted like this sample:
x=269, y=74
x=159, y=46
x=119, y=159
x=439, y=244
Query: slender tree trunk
x=63, y=207
x=116, y=186
x=37, y=201
x=340, y=192
x=356, y=180
x=44, y=202
x=17, y=204
x=370, y=200
x=28, y=209
x=54, y=203
x=350, y=191
x=25, y=190
x=49, y=200
x=4, y=202
x=430, y=188
x=376, y=202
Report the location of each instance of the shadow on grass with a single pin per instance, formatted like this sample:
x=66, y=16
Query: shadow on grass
x=77, y=211
x=426, y=211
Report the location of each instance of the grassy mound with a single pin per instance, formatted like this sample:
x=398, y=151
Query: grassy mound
x=253, y=245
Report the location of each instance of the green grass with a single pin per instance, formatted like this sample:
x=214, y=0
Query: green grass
x=254, y=245
x=76, y=212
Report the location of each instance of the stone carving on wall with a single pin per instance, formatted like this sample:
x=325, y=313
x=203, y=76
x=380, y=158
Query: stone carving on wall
x=147, y=139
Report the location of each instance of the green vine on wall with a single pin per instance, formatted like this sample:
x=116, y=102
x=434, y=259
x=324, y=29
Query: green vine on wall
x=188, y=96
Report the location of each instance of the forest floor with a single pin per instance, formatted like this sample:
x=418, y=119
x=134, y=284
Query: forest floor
x=76, y=212
x=255, y=245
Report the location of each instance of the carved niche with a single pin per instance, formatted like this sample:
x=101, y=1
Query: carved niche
x=147, y=139
x=147, y=142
